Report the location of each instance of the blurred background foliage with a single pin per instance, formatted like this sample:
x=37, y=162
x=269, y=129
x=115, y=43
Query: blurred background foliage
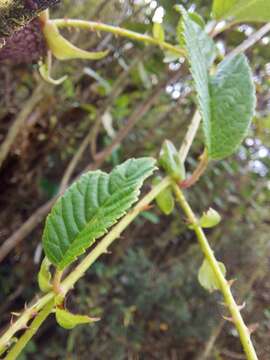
x=146, y=290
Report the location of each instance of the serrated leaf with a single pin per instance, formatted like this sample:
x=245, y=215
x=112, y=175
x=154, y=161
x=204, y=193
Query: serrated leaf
x=62, y=49
x=206, y=276
x=242, y=10
x=232, y=95
x=89, y=207
x=44, y=276
x=226, y=100
x=158, y=32
x=68, y=321
x=207, y=45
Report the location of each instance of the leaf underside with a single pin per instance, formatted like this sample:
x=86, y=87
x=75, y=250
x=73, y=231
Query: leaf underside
x=242, y=10
x=226, y=100
x=89, y=207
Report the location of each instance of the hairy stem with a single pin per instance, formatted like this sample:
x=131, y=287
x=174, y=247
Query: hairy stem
x=225, y=287
x=118, y=31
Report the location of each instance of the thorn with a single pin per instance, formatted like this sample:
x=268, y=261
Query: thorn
x=252, y=328
x=15, y=313
x=107, y=252
x=241, y=307
x=228, y=319
x=231, y=282
x=94, y=319
x=24, y=327
x=34, y=313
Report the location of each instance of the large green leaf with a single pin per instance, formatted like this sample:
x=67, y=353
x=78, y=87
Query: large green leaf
x=226, y=100
x=232, y=95
x=242, y=10
x=89, y=207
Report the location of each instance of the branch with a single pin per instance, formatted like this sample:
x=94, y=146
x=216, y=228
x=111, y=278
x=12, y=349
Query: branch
x=118, y=31
x=19, y=122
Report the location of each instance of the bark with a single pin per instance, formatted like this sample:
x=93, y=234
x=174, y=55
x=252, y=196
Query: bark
x=14, y=14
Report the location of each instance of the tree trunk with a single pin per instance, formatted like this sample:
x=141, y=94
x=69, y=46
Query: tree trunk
x=16, y=13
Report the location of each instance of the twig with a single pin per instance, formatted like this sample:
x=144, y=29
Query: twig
x=25, y=229
x=97, y=26
x=19, y=122
x=250, y=41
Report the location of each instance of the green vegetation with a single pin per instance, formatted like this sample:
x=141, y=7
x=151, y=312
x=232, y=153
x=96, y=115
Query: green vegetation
x=155, y=292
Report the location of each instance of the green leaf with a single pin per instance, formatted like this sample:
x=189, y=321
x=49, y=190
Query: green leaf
x=170, y=161
x=210, y=218
x=68, y=320
x=207, y=278
x=207, y=45
x=89, y=207
x=226, y=100
x=62, y=49
x=158, y=32
x=45, y=74
x=165, y=199
x=242, y=10
x=232, y=107
x=44, y=276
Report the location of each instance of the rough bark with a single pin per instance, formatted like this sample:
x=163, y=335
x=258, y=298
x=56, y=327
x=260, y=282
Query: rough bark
x=14, y=14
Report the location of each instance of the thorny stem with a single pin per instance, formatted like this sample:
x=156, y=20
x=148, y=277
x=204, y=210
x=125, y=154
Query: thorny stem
x=97, y=26
x=225, y=287
x=79, y=271
x=29, y=333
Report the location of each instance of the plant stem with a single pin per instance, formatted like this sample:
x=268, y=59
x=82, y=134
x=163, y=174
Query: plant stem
x=225, y=288
x=116, y=30
x=56, y=281
x=29, y=333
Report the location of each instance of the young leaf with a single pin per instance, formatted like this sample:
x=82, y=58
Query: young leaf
x=226, y=100
x=207, y=278
x=242, y=10
x=45, y=74
x=62, y=49
x=158, y=32
x=210, y=218
x=89, y=207
x=165, y=199
x=170, y=161
x=44, y=275
x=68, y=320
